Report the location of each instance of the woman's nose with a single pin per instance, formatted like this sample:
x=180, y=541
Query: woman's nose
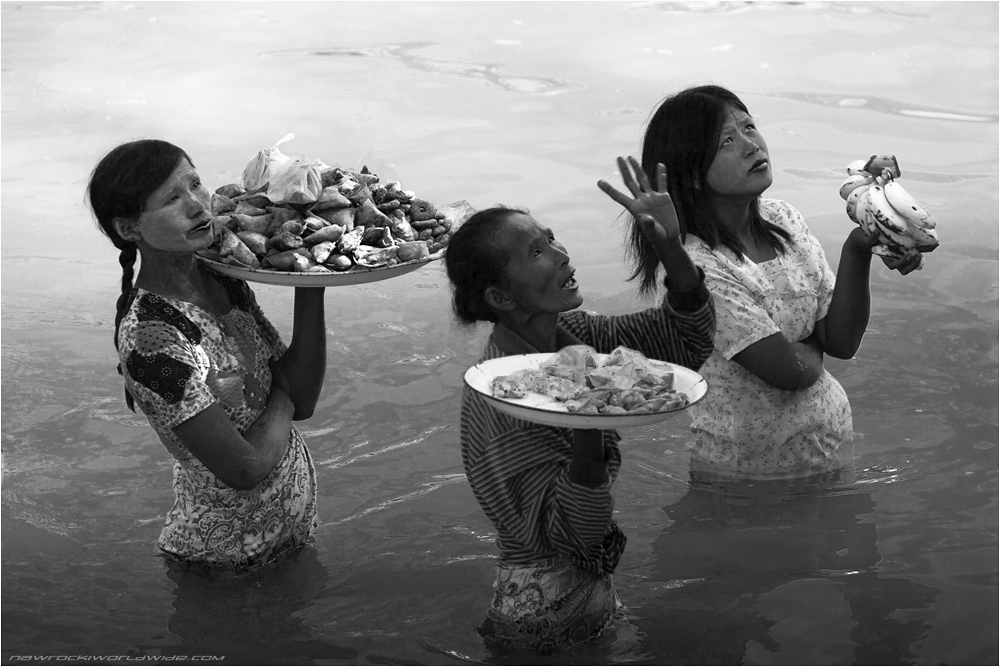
x=196, y=203
x=561, y=249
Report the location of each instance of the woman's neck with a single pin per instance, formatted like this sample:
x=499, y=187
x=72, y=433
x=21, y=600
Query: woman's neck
x=175, y=275
x=538, y=331
x=734, y=215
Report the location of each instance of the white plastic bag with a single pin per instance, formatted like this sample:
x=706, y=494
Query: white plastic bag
x=265, y=165
x=298, y=182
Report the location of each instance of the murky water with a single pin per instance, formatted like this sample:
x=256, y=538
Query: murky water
x=525, y=104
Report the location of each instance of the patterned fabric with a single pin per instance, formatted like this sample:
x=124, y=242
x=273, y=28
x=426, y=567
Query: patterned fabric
x=178, y=360
x=744, y=427
x=519, y=470
x=548, y=607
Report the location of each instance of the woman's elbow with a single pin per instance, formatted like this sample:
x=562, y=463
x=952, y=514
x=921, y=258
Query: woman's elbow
x=797, y=382
x=245, y=476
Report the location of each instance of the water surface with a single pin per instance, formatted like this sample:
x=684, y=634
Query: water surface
x=525, y=104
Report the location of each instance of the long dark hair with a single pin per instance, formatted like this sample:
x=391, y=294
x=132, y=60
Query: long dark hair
x=683, y=134
x=476, y=260
x=119, y=187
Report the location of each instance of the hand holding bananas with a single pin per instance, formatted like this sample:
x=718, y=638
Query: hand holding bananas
x=885, y=211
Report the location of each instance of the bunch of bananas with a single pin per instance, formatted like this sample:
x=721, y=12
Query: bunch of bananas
x=885, y=210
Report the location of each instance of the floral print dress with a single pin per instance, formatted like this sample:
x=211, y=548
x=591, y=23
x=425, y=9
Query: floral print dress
x=179, y=359
x=744, y=427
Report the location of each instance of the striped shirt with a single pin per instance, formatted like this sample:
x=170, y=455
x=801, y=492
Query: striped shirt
x=521, y=472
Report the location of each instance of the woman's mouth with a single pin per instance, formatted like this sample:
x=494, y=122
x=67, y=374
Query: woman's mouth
x=570, y=282
x=759, y=165
x=206, y=224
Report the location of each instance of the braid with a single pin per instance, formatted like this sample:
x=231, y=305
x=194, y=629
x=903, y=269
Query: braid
x=127, y=259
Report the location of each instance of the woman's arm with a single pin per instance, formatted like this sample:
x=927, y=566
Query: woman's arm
x=681, y=336
x=550, y=489
x=303, y=366
x=240, y=461
x=840, y=332
x=783, y=364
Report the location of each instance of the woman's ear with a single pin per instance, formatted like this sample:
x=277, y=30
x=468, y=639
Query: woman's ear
x=127, y=229
x=498, y=299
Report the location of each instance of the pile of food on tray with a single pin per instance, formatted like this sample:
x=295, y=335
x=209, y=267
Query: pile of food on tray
x=623, y=382
x=301, y=215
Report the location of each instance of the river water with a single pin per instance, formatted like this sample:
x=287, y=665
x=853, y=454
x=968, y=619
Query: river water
x=525, y=104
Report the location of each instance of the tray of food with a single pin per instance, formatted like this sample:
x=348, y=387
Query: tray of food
x=300, y=222
x=580, y=388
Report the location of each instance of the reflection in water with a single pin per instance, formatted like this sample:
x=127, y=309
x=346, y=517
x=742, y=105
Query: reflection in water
x=401, y=52
x=776, y=573
x=250, y=619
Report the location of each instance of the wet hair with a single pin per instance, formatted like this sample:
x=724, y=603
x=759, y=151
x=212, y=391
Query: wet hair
x=119, y=187
x=476, y=259
x=683, y=133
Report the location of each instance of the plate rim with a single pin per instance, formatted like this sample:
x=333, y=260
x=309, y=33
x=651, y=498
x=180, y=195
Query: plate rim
x=331, y=279
x=642, y=419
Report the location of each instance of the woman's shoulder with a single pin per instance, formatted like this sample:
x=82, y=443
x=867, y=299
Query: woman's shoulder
x=152, y=309
x=781, y=213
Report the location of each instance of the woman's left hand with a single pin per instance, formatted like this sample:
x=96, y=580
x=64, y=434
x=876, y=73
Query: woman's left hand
x=651, y=207
x=911, y=261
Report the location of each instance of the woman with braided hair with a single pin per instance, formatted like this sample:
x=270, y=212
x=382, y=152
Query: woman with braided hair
x=207, y=369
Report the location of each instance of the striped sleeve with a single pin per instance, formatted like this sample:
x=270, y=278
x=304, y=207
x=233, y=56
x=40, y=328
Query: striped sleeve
x=677, y=337
x=519, y=473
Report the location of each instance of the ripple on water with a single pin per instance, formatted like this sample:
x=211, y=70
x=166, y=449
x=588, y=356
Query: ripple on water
x=538, y=85
x=888, y=106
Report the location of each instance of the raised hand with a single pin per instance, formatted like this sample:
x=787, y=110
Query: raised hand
x=651, y=207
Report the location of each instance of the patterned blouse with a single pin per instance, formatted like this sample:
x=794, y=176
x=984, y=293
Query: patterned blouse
x=179, y=359
x=519, y=473
x=744, y=427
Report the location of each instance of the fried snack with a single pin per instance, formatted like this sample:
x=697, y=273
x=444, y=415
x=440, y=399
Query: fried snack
x=321, y=251
x=230, y=190
x=339, y=262
x=252, y=223
x=257, y=243
x=243, y=208
x=222, y=204
x=411, y=250
x=330, y=233
x=232, y=248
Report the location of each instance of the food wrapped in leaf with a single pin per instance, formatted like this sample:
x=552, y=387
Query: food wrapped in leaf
x=338, y=216
x=232, y=247
x=330, y=198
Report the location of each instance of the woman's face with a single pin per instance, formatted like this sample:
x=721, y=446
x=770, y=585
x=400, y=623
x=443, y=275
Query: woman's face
x=741, y=167
x=540, y=278
x=177, y=217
